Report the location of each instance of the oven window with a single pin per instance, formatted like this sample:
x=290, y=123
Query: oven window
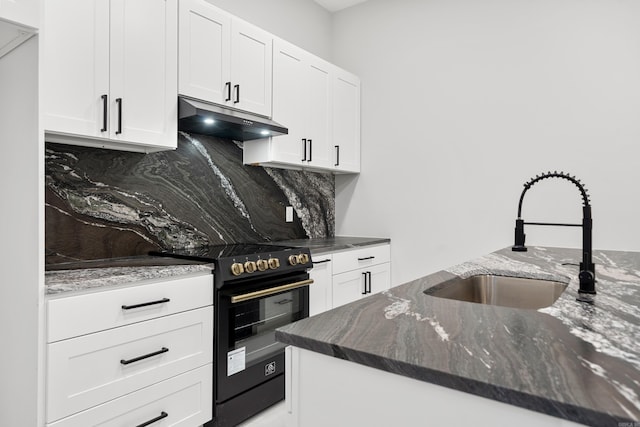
x=255, y=322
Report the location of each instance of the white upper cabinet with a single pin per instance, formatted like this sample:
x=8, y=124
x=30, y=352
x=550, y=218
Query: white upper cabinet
x=301, y=97
x=110, y=76
x=223, y=59
x=251, y=68
x=318, y=112
x=346, y=122
x=320, y=105
x=204, y=52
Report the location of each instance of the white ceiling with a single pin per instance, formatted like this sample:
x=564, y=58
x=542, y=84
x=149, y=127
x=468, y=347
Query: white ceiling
x=336, y=5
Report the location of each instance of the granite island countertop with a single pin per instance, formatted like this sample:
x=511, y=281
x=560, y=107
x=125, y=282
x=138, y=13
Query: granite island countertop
x=571, y=360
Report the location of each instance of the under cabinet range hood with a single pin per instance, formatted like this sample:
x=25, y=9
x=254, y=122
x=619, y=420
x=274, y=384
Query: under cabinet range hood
x=210, y=119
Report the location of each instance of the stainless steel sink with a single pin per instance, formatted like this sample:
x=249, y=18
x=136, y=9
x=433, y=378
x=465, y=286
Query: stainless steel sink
x=500, y=290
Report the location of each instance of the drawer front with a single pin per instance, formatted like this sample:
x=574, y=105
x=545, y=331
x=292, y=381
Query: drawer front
x=359, y=258
x=185, y=399
x=89, y=370
x=83, y=314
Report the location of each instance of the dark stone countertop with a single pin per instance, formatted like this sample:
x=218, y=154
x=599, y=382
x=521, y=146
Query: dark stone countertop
x=572, y=360
x=93, y=275
x=90, y=275
x=334, y=244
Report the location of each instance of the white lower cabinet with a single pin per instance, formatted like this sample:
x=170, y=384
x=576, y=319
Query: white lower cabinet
x=184, y=400
x=356, y=284
x=346, y=276
x=155, y=360
x=320, y=105
x=329, y=391
x=360, y=272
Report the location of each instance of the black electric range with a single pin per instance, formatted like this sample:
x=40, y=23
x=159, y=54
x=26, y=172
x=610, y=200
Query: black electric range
x=258, y=287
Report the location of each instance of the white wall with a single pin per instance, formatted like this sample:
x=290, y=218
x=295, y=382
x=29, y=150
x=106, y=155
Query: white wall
x=301, y=22
x=21, y=251
x=463, y=101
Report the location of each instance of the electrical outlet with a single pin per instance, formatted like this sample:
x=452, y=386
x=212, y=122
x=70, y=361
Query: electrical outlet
x=289, y=214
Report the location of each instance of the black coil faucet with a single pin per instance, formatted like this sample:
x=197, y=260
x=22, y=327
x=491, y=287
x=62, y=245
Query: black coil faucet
x=587, y=275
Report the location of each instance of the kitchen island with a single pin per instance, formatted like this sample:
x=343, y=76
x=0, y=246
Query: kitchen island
x=407, y=358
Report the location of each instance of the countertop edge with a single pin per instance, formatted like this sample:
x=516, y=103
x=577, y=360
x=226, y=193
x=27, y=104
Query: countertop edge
x=467, y=385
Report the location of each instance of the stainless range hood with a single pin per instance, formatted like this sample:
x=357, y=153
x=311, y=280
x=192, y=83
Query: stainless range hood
x=210, y=119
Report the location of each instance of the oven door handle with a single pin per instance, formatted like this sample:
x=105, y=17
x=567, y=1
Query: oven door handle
x=270, y=291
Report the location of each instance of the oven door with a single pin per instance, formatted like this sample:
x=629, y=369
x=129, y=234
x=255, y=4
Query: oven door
x=247, y=315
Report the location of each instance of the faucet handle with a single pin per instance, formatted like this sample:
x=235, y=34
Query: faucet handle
x=519, y=237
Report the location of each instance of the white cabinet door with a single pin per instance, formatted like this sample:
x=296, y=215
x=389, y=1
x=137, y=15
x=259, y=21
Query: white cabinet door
x=224, y=60
x=356, y=284
x=302, y=103
x=321, y=290
x=348, y=287
x=318, y=107
x=288, y=106
x=76, y=67
x=251, y=68
x=380, y=277
x=205, y=51
x=346, y=122
x=144, y=71
x=110, y=73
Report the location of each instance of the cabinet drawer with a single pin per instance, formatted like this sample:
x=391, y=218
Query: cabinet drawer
x=358, y=258
x=186, y=399
x=83, y=314
x=89, y=370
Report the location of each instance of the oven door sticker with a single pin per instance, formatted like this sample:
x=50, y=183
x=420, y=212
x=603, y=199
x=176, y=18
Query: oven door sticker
x=236, y=361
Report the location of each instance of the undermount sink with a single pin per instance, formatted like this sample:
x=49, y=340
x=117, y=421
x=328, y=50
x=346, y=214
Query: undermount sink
x=500, y=290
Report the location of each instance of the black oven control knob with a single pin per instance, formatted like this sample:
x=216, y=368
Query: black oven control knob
x=293, y=259
x=274, y=263
x=262, y=264
x=237, y=269
x=250, y=266
x=303, y=258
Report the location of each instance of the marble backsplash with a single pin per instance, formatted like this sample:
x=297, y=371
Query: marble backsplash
x=105, y=204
